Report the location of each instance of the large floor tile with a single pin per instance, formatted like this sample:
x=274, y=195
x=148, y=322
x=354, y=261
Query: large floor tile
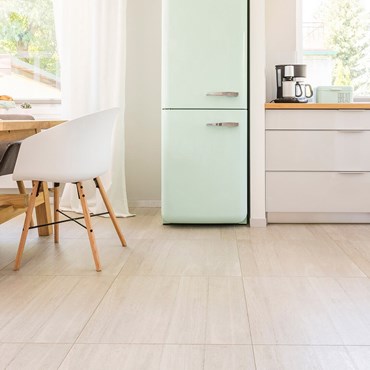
x=227, y=318
x=309, y=311
x=13, y=229
x=170, y=310
x=304, y=357
x=229, y=358
x=47, y=309
x=113, y=356
x=148, y=224
x=190, y=357
x=354, y=232
x=286, y=232
x=360, y=356
x=311, y=257
x=158, y=357
x=140, y=310
x=73, y=257
x=359, y=252
x=9, y=247
x=134, y=357
x=8, y=352
x=184, y=258
x=39, y=356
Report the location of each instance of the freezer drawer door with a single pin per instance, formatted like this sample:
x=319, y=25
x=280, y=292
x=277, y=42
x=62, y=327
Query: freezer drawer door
x=204, y=54
x=204, y=166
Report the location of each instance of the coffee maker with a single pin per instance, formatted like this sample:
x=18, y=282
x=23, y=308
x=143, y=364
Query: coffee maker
x=291, y=85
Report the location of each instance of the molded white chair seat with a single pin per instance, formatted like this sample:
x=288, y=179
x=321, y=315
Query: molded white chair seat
x=75, y=151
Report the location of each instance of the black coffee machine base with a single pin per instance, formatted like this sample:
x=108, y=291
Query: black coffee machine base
x=290, y=100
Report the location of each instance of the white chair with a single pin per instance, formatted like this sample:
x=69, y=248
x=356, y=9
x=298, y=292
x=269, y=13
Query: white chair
x=72, y=152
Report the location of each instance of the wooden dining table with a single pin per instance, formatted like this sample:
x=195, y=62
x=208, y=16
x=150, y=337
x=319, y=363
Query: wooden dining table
x=19, y=130
x=11, y=205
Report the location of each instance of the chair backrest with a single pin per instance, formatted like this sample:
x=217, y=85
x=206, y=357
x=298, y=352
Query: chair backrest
x=74, y=151
x=9, y=150
x=8, y=156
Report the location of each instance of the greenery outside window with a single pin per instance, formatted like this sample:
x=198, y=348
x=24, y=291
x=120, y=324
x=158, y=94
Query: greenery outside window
x=336, y=43
x=29, y=64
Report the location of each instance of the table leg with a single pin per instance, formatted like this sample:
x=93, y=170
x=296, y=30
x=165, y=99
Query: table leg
x=43, y=212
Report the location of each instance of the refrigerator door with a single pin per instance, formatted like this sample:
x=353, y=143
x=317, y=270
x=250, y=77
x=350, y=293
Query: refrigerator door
x=204, y=166
x=204, y=54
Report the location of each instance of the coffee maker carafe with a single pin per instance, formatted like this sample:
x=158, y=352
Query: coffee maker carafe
x=291, y=85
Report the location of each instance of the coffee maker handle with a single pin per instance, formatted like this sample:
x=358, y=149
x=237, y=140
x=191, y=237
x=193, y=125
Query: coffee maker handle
x=298, y=90
x=309, y=91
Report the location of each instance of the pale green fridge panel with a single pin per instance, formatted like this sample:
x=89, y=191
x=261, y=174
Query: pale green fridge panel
x=204, y=51
x=204, y=167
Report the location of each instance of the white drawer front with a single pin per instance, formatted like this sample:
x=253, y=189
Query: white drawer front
x=352, y=118
x=317, y=119
x=336, y=150
x=317, y=192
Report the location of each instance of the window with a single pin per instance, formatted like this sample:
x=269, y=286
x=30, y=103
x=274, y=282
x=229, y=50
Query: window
x=336, y=40
x=29, y=69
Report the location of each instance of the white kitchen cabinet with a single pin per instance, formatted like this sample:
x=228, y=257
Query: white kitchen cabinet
x=318, y=191
x=318, y=165
x=304, y=150
x=301, y=119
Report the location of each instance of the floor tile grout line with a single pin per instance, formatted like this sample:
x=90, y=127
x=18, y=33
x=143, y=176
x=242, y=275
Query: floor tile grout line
x=246, y=306
x=190, y=276
x=207, y=313
x=192, y=344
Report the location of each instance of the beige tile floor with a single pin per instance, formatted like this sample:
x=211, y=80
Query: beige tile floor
x=187, y=297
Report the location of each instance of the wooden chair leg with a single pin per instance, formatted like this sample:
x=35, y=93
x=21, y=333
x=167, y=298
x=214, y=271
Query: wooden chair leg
x=90, y=231
x=110, y=211
x=43, y=212
x=56, y=213
x=22, y=190
x=26, y=225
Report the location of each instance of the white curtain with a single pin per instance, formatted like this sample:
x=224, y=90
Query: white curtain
x=91, y=38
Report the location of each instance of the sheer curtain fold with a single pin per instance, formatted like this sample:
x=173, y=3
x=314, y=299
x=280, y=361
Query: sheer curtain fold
x=91, y=38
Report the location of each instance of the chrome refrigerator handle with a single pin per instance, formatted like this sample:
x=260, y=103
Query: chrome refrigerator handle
x=224, y=124
x=232, y=94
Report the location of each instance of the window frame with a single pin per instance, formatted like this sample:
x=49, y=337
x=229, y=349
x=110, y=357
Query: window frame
x=300, y=50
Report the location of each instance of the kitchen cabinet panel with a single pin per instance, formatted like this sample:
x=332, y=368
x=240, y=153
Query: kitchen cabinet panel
x=301, y=119
x=302, y=150
x=318, y=192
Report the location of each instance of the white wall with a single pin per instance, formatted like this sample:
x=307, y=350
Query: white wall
x=143, y=101
x=257, y=112
x=282, y=42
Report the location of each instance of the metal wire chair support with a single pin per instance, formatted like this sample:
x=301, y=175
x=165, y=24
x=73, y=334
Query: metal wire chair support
x=69, y=219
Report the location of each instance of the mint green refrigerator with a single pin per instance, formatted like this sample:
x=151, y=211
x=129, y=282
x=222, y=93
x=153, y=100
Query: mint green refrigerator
x=204, y=111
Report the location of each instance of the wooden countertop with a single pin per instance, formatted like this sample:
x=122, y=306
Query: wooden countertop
x=7, y=125
x=311, y=106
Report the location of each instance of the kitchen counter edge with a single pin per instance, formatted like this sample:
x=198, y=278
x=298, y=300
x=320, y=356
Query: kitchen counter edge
x=318, y=106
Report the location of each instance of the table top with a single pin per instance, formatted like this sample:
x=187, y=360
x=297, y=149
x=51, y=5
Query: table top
x=312, y=106
x=12, y=125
